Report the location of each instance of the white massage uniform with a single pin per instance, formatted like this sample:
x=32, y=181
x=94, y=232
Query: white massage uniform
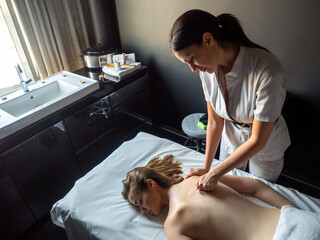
x=256, y=89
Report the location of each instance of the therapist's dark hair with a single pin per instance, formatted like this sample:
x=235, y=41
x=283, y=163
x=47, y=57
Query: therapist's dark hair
x=189, y=28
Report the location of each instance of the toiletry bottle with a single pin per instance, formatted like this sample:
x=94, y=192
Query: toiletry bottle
x=123, y=59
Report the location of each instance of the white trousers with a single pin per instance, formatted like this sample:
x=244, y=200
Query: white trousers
x=267, y=169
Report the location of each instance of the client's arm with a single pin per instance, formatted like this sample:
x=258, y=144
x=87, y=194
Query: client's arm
x=257, y=189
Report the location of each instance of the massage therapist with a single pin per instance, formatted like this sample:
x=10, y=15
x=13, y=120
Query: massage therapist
x=245, y=89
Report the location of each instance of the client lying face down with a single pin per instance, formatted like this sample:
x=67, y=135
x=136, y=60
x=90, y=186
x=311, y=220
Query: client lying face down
x=221, y=214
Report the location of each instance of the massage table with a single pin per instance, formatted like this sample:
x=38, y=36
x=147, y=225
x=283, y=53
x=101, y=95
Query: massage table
x=95, y=209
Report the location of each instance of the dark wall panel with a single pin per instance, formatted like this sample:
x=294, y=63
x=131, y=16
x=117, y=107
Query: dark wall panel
x=303, y=155
x=104, y=23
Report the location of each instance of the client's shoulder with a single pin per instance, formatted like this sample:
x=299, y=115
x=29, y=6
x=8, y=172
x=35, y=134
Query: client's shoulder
x=184, y=221
x=182, y=213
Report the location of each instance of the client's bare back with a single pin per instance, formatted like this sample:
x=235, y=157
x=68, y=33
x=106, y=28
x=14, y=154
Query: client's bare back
x=221, y=214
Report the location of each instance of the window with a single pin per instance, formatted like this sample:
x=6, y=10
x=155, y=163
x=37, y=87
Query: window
x=40, y=51
x=13, y=50
x=9, y=79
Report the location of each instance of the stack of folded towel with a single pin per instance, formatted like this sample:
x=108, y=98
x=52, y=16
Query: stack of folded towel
x=131, y=65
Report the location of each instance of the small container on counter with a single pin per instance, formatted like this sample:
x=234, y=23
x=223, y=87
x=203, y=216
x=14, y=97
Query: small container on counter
x=117, y=66
x=123, y=59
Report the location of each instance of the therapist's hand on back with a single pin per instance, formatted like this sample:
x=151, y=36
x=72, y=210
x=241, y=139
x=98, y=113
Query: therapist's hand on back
x=207, y=180
x=197, y=172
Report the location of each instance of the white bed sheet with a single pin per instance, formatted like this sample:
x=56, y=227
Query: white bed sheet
x=94, y=207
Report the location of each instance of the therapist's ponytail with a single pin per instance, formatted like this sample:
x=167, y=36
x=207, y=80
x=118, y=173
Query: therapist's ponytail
x=189, y=28
x=231, y=30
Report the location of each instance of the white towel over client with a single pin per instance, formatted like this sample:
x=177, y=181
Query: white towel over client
x=297, y=224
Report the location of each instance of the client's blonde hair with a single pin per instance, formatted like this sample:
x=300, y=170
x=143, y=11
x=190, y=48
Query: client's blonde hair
x=165, y=172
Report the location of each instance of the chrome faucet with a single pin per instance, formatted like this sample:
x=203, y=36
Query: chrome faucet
x=23, y=83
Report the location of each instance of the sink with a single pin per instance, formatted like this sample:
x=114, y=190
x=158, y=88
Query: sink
x=30, y=101
x=20, y=109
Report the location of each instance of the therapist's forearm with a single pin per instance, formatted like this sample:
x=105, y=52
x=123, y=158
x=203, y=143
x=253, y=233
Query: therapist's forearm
x=239, y=156
x=214, y=131
x=213, y=137
x=260, y=135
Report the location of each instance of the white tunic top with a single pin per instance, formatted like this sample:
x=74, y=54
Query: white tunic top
x=256, y=89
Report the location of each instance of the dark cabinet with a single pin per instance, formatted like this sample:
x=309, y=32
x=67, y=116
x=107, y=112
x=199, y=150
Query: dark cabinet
x=133, y=99
x=125, y=110
x=15, y=215
x=43, y=168
x=131, y=106
x=89, y=124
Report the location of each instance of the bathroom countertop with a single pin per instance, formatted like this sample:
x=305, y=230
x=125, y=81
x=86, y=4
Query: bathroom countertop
x=106, y=88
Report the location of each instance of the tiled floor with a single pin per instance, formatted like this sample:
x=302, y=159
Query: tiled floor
x=44, y=229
